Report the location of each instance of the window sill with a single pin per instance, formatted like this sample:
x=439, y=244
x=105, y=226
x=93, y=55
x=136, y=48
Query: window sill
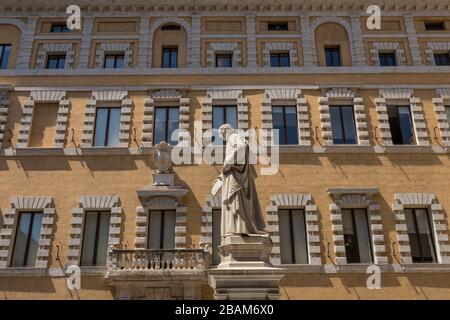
x=23, y=272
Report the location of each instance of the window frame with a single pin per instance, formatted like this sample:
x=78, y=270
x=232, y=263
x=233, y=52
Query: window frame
x=341, y=118
x=161, y=228
x=283, y=107
x=437, y=62
x=291, y=235
x=332, y=48
x=430, y=25
x=3, y=60
x=58, y=56
x=355, y=229
x=413, y=140
x=171, y=49
x=224, y=108
x=219, y=56
x=166, y=125
x=215, y=253
x=115, y=55
x=382, y=58
x=106, y=138
x=273, y=26
x=29, y=235
x=278, y=56
x=62, y=27
x=416, y=232
x=97, y=228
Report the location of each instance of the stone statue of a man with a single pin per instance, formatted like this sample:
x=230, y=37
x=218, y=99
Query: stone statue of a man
x=241, y=213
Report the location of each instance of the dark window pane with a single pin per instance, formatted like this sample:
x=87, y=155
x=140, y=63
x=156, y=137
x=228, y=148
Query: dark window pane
x=166, y=125
x=332, y=56
x=343, y=125
x=387, y=59
x=442, y=59
x=293, y=240
x=279, y=60
x=440, y=25
x=101, y=121
x=5, y=50
x=170, y=57
x=27, y=239
x=57, y=28
x=95, y=238
x=277, y=26
x=284, y=120
x=161, y=229
x=57, y=61
x=222, y=115
x=400, y=124
x=114, y=61
x=420, y=235
x=356, y=236
x=114, y=127
x=223, y=60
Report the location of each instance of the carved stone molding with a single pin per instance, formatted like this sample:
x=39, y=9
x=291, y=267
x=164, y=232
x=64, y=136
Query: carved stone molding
x=441, y=102
x=4, y=110
x=436, y=47
x=49, y=48
x=211, y=203
x=221, y=47
x=11, y=215
x=280, y=46
x=113, y=47
x=388, y=46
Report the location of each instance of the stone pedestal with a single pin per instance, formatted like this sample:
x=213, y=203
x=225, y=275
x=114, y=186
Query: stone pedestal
x=245, y=271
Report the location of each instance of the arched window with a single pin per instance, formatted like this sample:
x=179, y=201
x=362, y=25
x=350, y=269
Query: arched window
x=170, y=46
x=9, y=45
x=332, y=45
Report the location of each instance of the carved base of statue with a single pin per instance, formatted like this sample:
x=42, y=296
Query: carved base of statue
x=241, y=251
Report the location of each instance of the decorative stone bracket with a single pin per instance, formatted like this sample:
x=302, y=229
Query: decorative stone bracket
x=4, y=109
x=7, y=233
x=440, y=103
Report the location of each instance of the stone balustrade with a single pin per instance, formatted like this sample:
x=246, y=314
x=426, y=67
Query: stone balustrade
x=158, y=259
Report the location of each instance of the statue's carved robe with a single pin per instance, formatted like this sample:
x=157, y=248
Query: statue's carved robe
x=241, y=213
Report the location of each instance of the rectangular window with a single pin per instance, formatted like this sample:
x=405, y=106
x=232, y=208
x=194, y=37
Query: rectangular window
x=107, y=127
x=56, y=61
x=26, y=243
x=442, y=59
x=333, y=56
x=222, y=115
x=400, y=123
x=277, y=26
x=358, y=247
x=293, y=239
x=170, y=57
x=284, y=120
x=95, y=238
x=59, y=28
x=279, y=59
x=224, y=60
x=166, y=125
x=434, y=26
x=343, y=124
x=5, y=51
x=418, y=222
x=387, y=59
x=161, y=229
x=114, y=61
x=216, y=235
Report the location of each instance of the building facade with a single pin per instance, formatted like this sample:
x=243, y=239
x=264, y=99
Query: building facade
x=363, y=119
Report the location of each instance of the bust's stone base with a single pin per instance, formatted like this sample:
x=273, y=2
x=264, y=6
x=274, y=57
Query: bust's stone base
x=245, y=271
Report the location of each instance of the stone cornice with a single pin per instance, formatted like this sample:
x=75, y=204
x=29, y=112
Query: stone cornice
x=190, y=6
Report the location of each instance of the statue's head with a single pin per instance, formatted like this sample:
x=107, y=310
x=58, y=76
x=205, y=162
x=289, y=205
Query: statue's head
x=225, y=131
